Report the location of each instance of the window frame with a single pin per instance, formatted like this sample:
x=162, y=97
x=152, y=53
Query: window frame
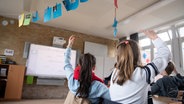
x=180, y=41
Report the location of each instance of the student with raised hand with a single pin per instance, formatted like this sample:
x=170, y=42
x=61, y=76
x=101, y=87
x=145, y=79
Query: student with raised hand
x=130, y=81
x=84, y=87
x=77, y=74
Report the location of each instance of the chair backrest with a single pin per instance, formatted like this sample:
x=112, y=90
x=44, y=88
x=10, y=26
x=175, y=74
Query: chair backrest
x=71, y=99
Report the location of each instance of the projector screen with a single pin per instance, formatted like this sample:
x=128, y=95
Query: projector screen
x=46, y=61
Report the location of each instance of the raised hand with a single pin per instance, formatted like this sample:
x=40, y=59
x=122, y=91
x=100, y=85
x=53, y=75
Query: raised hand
x=150, y=34
x=71, y=41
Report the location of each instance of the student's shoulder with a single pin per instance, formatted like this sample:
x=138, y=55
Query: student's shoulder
x=139, y=71
x=165, y=79
x=138, y=74
x=98, y=84
x=95, y=82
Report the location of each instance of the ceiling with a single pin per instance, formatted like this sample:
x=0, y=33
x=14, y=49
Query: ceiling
x=96, y=17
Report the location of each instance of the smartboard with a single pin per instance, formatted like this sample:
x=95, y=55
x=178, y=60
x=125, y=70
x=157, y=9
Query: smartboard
x=46, y=61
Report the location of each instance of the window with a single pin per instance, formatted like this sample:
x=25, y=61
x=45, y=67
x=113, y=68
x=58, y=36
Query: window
x=173, y=36
x=164, y=36
x=169, y=46
x=170, y=34
x=144, y=42
x=181, y=32
x=183, y=51
x=146, y=56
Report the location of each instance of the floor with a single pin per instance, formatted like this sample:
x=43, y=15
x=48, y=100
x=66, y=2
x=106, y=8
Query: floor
x=37, y=101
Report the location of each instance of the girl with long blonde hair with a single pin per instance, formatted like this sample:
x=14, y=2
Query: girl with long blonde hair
x=130, y=80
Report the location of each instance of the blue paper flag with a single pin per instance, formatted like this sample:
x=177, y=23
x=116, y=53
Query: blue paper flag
x=144, y=55
x=71, y=5
x=57, y=12
x=47, y=14
x=74, y=5
x=115, y=23
x=35, y=17
x=66, y=3
x=115, y=32
x=82, y=1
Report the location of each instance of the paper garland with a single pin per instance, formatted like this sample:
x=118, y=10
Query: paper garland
x=35, y=17
x=57, y=12
x=50, y=12
x=21, y=19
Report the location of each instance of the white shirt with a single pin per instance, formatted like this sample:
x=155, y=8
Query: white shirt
x=135, y=90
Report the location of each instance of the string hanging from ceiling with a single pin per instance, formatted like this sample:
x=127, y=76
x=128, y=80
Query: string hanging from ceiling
x=115, y=19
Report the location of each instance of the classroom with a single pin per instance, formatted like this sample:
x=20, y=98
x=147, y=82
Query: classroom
x=41, y=40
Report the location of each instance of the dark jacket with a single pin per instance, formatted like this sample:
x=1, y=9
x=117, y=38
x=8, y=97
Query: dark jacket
x=168, y=86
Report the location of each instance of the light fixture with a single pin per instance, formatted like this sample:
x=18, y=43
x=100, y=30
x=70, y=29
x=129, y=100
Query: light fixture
x=12, y=22
x=4, y=22
x=144, y=11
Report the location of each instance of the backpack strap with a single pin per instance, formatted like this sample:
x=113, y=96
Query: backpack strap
x=148, y=74
x=148, y=71
x=154, y=67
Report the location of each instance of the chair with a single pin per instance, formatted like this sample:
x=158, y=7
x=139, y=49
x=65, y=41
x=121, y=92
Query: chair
x=71, y=99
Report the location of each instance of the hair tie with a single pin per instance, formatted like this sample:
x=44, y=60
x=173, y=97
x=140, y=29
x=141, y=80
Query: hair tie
x=126, y=42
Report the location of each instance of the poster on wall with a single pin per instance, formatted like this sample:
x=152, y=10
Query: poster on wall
x=8, y=52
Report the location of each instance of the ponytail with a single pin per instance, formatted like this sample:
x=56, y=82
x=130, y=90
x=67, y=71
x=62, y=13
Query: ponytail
x=128, y=58
x=87, y=62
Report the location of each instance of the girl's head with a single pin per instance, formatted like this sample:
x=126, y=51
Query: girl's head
x=168, y=70
x=87, y=63
x=128, y=58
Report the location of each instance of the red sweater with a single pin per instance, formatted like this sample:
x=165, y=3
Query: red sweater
x=77, y=73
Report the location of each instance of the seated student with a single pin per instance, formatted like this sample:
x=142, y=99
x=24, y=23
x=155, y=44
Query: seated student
x=77, y=74
x=168, y=70
x=168, y=86
x=130, y=80
x=84, y=87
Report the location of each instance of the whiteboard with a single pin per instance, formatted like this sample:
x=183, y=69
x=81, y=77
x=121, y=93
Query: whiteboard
x=46, y=61
x=95, y=49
